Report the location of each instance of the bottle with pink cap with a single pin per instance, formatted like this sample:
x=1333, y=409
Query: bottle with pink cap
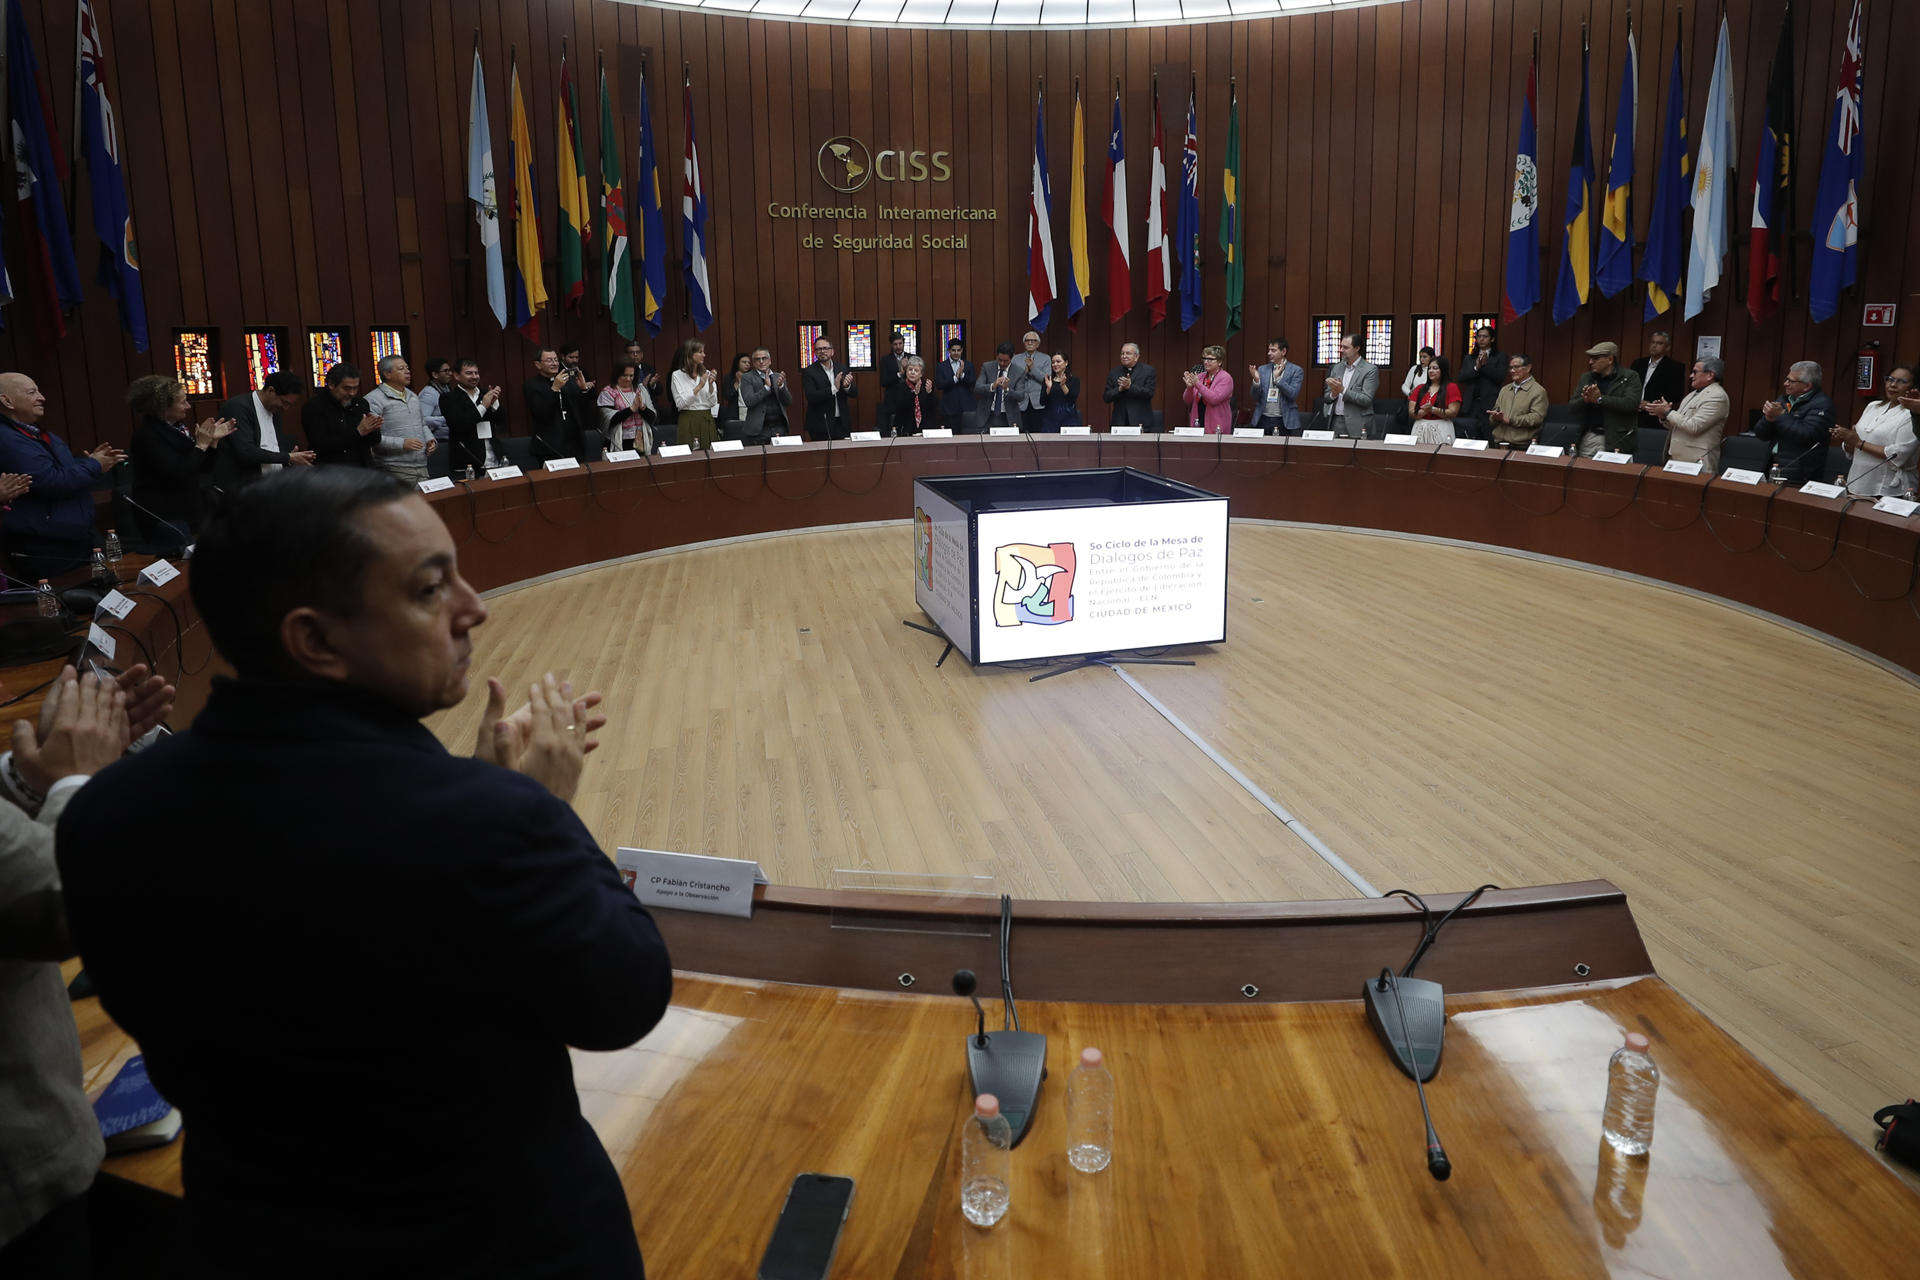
x=1632, y=1083
x=986, y=1163
x=1090, y=1113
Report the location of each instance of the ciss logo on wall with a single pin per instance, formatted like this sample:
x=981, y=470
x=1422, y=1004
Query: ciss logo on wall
x=847, y=165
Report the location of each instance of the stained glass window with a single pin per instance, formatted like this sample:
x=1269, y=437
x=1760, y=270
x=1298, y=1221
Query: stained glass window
x=1326, y=338
x=1430, y=332
x=860, y=344
x=1476, y=323
x=951, y=331
x=811, y=331
x=1378, y=332
x=194, y=363
x=327, y=348
x=264, y=348
x=387, y=342
x=909, y=330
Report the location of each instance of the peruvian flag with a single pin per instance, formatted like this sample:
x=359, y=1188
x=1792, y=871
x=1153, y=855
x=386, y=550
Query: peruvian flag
x=1040, y=277
x=1119, y=260
x=1159, y=260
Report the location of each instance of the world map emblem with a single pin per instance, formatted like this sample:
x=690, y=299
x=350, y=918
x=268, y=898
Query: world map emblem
x=1526, y=193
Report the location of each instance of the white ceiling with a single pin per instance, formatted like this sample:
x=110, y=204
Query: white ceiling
x=1036, y=14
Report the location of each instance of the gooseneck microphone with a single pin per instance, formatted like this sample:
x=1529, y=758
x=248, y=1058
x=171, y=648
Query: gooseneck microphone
x=965, y=984
x=1437, y=1163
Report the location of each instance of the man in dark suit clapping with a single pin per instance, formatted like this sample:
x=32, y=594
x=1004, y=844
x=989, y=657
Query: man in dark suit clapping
x=953, y=380
x=1129, y=390
x=431, y=904
x=828, y=387
x=1661, y=376
x=262, y=442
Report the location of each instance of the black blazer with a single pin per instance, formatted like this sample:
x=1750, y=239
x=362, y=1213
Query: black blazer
x=170, y=475
x=452, y=913
x=822, y=397
x=1669, y=383
x=238, y=459
x=1134, y=406
x=333, y=429
x=955, y=397
x=1479, y=388
x=896, y=416
x=463, y=428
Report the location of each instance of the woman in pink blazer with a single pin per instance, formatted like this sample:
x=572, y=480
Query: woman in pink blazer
x=1210, y=393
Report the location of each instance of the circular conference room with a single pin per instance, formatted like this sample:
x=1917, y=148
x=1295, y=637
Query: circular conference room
x=1351, y=566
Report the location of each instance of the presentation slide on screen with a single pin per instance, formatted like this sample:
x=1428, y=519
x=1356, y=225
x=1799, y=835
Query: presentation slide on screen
x=940, y=569
x=1101, y=579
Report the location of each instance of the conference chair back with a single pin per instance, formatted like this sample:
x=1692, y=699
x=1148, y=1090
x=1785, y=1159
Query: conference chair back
x=1746, y=453
x=1564, y=434
x=1650, y=445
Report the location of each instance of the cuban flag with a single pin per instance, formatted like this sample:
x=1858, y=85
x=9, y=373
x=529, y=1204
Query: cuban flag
x=112, y=222
x=1040, y=276
x=1114, y=214
x=1836, y=207
x=693, y=230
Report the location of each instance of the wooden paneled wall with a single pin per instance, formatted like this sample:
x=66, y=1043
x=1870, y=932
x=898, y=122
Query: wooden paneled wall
x=301, y=162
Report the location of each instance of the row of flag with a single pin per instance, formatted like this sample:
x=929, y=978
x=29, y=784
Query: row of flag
x=631, y=281
x=42, y=169
x=1602, y=256
x=1162, y=252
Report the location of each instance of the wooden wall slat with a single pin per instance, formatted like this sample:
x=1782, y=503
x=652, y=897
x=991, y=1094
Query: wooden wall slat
x=294, y=164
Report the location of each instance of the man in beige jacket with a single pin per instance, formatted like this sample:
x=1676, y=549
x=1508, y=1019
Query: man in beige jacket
x=1520, y=407
x=1696, y=424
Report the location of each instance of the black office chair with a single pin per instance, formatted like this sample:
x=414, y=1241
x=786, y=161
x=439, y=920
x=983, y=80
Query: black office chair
x=1650, y=445
x=1156, y=420
x=517, y=450
x=1565, y=434
x=1562, y=413
x=1746, y=453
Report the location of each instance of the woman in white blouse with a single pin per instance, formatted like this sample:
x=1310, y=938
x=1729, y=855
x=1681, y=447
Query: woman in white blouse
x=1882, y=444
x=695, y=393
x=1417, y=375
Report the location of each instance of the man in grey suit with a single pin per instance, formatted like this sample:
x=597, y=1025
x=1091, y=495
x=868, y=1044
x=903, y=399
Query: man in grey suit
x=1276, y=391
x=994, y=388
x=767, y=397
x=1030, y=370
x=1350, y=387
x=261, y=440
x=1129, y=389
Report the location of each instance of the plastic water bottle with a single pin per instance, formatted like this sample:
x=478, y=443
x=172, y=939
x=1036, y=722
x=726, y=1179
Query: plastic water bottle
x=986, y=1163
x=101, y=569
x=1090, y=1113
x=114, y=553
x=49, y=602
x=1632, y=1082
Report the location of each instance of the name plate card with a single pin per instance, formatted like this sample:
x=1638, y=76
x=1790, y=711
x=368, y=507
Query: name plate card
x=1003, y=431
x=1544, y=450
x=1819, y=490
x=1480, y=445
x=159, y=573
x=562, y=464
x=1316, y=435
x=504, y=473
x=1893, y=506
x=621, y=455
x=1618, y=459
x=99, y=639
x=439, y=484
x=1125, y=429
x=1741, y=476
x=116, y=604
x=938, y=433
x=1683, y=468
x=788, y=440
x=675, y=450
x=1189, y=431
x=1401, y=437
x=1076, y=431
x=690, y=881
x=1248, y=431
x=718, y=446
x=865, y=435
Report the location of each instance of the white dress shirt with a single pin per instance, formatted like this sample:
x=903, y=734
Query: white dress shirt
x=269, y=437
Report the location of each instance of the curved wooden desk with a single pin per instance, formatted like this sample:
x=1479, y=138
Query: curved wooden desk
x=1260, y=1140
x=1834, y=565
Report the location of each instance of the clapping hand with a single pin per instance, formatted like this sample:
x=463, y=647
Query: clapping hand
x=1591, y=393
x=370, y=424
x=212, y=431
x=108, y=456
x=82, y=730
x=12, y=486
x=547, y=739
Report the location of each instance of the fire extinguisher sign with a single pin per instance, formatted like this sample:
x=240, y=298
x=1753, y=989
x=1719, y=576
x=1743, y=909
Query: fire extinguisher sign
x=1879, y=315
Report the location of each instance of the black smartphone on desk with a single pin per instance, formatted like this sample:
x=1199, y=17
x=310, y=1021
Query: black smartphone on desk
x=808, y=1233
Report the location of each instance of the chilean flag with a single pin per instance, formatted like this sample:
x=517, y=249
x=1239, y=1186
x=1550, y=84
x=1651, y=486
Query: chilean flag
x=1114, y=214
x=1040, y=277
x=1159, y=261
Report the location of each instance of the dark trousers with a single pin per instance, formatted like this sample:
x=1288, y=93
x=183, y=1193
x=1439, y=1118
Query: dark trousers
x=117, y=1229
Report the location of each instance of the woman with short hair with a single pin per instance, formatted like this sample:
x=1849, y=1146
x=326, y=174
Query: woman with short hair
x=171, y=461
x=1882, y=444
x=1209, y=393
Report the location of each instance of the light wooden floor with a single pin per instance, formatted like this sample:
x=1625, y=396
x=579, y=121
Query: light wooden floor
x=1440, y=717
